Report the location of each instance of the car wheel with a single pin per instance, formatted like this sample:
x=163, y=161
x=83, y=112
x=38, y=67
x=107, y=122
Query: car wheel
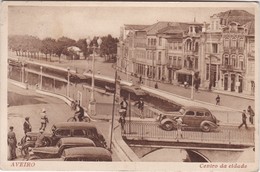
x=33, y=157
x=46, y=141
x=168, y=126
x=205, y=127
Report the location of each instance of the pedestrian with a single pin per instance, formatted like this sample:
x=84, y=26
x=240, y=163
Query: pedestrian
x=185, y=84
x=218, y=100
x=140, y=79
x=12, y=144
x=44, y=120
x=27, y=125
x=251, y=113
x=40, y=139
x=179, y=125
x=122, y=122
x=156, y=86
x=243, y=120
x=140, y=106
x=124, y=106
x=210, y=85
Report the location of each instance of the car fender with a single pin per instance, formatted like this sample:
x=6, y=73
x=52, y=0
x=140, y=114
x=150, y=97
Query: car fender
x=212, y=124
x=167, y=120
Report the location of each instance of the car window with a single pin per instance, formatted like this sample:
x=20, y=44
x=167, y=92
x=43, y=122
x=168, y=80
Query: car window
x=62, y=132
x=90, y=133
x=190, y=113
x=200, y=114
x=207, y=114
x=78, y=132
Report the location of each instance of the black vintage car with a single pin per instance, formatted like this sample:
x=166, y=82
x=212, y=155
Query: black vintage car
x=63, y=130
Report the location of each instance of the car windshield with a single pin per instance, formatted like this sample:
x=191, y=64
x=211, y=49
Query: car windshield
x=182, y=110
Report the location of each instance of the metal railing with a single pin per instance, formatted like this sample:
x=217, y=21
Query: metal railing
x=223, y=135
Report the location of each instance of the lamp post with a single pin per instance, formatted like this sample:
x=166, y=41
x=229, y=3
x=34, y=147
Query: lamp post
x=41, y=79
x=146, y=77
x=92, y=103
x=22, y=72
x=68, y=83
x=192, y=85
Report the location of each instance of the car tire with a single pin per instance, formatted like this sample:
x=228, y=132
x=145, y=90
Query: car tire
x=205, y=127
x=47, y=141
x=168, y=126
x=33, y=157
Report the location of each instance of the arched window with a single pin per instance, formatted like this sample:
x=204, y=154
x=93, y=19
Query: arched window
x=241, y=43
x=233, y=60
x=149, y=41
x=233, y=42
x=196, y=47
x=226, y=43
x=225, y=60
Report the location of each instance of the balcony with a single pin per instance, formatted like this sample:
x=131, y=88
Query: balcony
x=231, y=68
x=151, y=47
x=173, y=66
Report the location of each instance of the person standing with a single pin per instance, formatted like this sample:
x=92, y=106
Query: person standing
x=140, y=106
x=218, y=100
x=251, y=113
x=44, y=120
x=27, y=125
x=243, y=120
x=40, y=138
x=179, y=128
x=12, y=143
x=124, y=107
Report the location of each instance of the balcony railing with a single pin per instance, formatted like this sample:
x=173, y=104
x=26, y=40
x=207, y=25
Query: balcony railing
x=173, y=66
x=231, y=68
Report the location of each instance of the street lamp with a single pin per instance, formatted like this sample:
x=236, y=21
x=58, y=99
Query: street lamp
x=68, y=83
x=146, y=77
x=192, y=85
x=41, y=79
x=92, y=103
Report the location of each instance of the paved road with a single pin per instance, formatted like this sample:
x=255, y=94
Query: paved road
x=106, y=69
x=24, y=103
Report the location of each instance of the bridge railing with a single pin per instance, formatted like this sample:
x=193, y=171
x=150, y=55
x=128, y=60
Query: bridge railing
x=223, y=135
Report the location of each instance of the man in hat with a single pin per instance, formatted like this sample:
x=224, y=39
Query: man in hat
x=44, y=120
x=40, y=138
x=27, y=126
x=243, y=120
x=11, y=140
x=140, y=106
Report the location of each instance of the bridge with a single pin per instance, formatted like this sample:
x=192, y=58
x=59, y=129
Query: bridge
x=227, y=143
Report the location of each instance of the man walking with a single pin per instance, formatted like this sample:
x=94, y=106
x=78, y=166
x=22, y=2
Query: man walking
x=218, y=100
x=140, y=106
x=251, y=113
x=243, y=120
x=179, y=128
x=44, y=120
x=11, y=141
x=123, y=107
x=27, y=126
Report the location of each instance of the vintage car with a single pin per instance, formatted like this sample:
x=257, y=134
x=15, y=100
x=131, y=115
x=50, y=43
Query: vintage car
x=63, y=130
x=86, y=154
x=63, y=143
x=192, y=117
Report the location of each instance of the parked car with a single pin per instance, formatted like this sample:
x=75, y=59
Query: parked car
x=192, y=117
x=57, y=150
x=63, y=130
x=86, y=154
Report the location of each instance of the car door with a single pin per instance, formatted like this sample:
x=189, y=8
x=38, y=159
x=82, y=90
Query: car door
x=200, y=117
x=188, y=118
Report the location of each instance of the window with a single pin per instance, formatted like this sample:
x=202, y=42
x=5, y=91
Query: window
x=200, y=114
x=174, y=60
x=160, y=41
x=64, y=133
x=78, y=133
x=207, y=114
x=159, y=56
x=179, y=61
x=175, y=45
x=214, y=48
x=180, y=46
x=233, y=60
x=241, y=65
x=241, y=43
x=190, y=113
x=226, y=42
x=234, y=43
x=149, y=41
x=196, y=47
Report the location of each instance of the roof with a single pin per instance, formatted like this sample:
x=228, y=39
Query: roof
x=78, y=140
x=196, y=108
x=74, y=125
x=251, y=27
x=135, y=27
x=239, y=16
x=92, y=153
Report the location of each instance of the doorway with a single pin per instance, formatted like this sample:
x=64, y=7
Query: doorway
x=233, y=81
x=226, y=82
x=240, y=88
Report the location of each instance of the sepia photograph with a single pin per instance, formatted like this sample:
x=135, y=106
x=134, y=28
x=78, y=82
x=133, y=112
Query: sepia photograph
x=131, y=86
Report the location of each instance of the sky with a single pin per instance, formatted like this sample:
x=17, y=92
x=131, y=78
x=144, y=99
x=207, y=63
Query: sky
x=80, y=22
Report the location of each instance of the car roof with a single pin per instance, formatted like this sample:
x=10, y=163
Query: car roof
x=195, y=108
x=77, y=140
x=88, y=152
x=75, y=125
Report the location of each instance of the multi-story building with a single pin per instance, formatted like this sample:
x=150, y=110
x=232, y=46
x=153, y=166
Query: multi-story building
x=219, y=54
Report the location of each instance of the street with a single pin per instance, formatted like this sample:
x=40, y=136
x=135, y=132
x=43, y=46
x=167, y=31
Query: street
x=23, y=103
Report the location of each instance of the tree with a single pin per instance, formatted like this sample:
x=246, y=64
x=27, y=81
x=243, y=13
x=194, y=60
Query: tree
x=48, y=46
x=61, y=46
x=109, y=46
